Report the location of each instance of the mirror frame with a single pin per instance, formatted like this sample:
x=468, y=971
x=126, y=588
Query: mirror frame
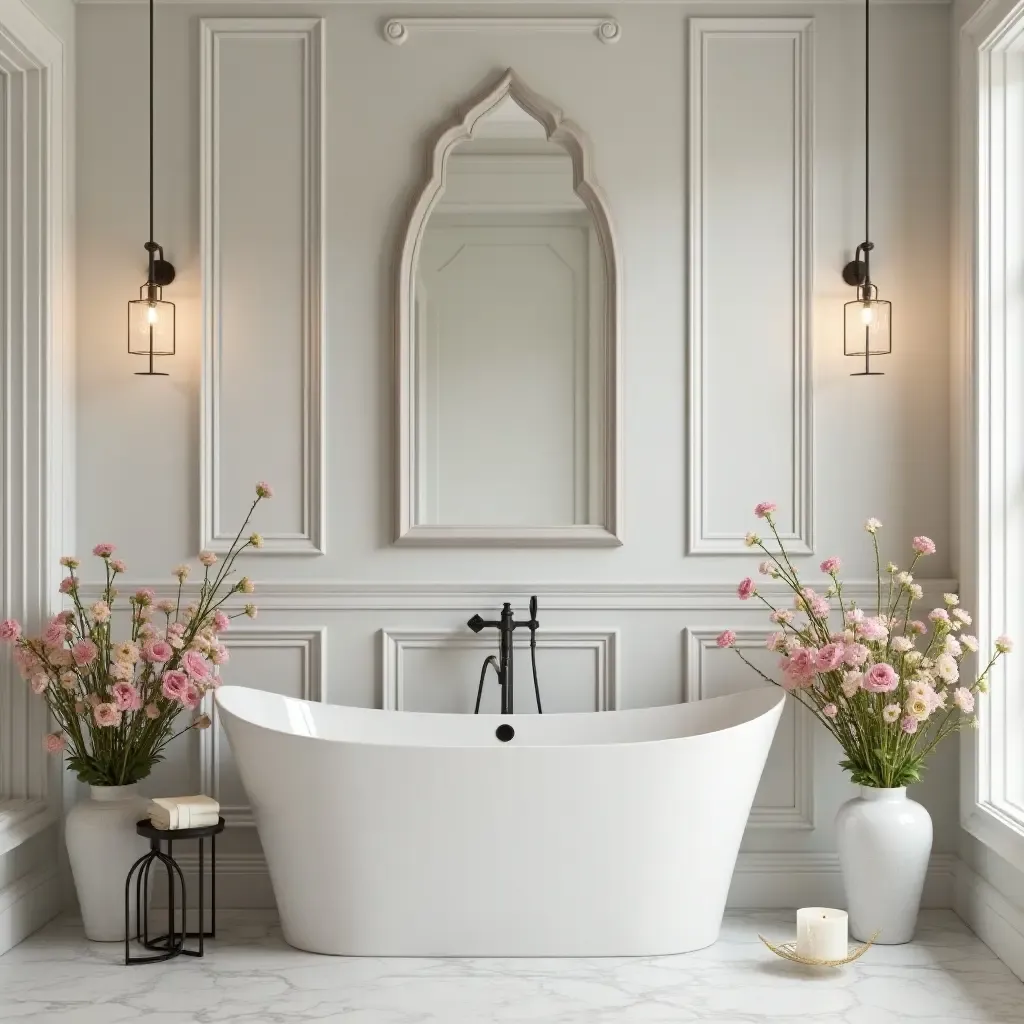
x=572, y=139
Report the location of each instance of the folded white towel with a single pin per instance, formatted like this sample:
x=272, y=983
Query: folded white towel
x=173, y=812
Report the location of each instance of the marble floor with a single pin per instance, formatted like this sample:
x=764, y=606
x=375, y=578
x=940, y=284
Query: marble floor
x=249, y=976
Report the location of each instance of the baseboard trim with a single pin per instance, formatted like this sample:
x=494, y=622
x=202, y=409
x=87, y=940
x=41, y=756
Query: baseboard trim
x=28, y=903
x=782, y=880
x=761, y=881
x=991, y=916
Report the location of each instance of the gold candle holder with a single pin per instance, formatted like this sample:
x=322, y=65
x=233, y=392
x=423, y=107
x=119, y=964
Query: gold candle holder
x=787, y=950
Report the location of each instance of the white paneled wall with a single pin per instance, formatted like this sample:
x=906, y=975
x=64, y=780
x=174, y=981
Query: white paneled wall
x=291, y=147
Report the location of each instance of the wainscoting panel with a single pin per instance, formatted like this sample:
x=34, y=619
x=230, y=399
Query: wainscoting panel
x=289, y=661
x=785, y=798
x=750, y=280
x=261, y=150
x=439, y=670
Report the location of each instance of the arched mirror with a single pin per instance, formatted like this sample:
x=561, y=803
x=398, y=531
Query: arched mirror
x=508, y=337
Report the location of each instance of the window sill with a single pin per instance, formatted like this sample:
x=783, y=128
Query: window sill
x=1000, y=832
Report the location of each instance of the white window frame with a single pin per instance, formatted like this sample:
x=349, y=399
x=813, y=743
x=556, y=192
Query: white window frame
x=987, y=373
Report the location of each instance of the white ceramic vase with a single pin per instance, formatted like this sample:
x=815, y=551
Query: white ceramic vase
x=884, y=843
x=102, y=847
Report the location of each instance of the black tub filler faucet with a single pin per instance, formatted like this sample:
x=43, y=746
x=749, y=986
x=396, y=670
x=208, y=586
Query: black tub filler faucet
x=503, y=663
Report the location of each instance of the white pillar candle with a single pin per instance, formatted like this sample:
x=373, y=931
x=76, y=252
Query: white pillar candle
x=821, y=934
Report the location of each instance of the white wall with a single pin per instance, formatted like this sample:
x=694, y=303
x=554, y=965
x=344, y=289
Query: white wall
x=866, y=446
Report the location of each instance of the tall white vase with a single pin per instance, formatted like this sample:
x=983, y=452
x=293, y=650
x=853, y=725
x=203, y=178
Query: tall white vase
x=102, y=847
x=884, y=843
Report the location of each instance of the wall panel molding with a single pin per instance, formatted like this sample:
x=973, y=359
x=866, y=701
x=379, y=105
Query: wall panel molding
x=311, y=641
x=397, y=30
x=345, y=595
x=308, y=536
x=395, y=642
x=800, y=815
x=704, y=536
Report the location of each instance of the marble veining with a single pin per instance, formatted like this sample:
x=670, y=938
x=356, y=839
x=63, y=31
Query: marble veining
x=250, y=976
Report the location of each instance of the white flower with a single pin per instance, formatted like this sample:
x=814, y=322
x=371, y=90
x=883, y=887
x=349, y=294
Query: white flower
x=751, y=540
x=1004, y=644
x=915, y=591
x=961, y=616
x=946, y=667
x=952, y=646
x=891, y=568
x=872, y=525
x=951, y=600
x=913, y=658
x=766, y=569
x=776, y=642
x=891, y=712
x=918, y=707
x=902, y=644
x=905, y=578
x=968, y=641
x=851, y=683
x=854, y=615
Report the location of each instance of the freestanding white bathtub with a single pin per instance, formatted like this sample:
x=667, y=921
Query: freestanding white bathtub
x=394, y=833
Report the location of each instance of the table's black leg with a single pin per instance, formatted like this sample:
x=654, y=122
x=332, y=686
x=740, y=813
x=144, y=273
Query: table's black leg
x=213, y=886
x=202, y=923
x=171, y=924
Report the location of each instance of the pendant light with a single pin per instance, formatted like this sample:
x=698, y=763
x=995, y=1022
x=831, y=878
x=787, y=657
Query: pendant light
x=867, y=328
x=150, y=316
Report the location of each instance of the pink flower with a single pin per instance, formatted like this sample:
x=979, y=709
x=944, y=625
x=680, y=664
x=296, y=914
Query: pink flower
x=830, y=711
x=173, y=684
x=880, y=678
x=726, y=638
x=872, y=629
x=100, y=611
x=166, y=606
x=195, y=665
x=55, y=634
x=829, y=657
x=54, y=743
x=1004, y=645
x=106, y=714
x=10, y=630
x=830, y=565
x=152, y=711
x=84, y=652
x=746, y=589
x=144, y=596
x=39, y=684
x=854, y=615
x=103, y=550
x=916, y=626
x=909, y=725
x=939, y=615
x=207, y=558
x=157, y=650
x=126, y=697
x=766, y=568
x=855, y=655
x=800, y=666
x=924, y=545
x=191, y=697
x=68, y=584
x=219, y=654
x=264, y=490
x=781, y=615
x=963, y=699
x=820, y=606
x=776, y=642
x=221, y=622
x=117, y=565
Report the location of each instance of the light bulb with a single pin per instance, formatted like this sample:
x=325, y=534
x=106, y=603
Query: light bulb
x=867, y=315
x=151, y=315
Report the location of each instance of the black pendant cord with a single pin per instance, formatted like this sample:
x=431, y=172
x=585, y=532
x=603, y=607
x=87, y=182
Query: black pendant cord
x=151, y=191
x=867, y=137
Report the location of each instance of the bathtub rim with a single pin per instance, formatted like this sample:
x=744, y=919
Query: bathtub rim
x=770, y=707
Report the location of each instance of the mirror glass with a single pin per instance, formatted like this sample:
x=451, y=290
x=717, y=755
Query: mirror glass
x=509, y=360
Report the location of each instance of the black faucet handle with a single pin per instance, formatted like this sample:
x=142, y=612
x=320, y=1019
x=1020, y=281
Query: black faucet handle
x=476, y=623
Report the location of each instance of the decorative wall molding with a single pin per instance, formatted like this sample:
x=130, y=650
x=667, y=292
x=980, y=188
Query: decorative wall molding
x=397, y=30
x=784, y=880
x=569, y=136
x=799, y=816
x=343, y=595
x=394, y=643
x=991, y=916
x=702, y=536
x=36, y=397
x=309, y=540
x=505, y=3
x=311, y=641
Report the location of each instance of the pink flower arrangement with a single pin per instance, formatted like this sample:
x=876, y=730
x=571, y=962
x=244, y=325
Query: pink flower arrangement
x=882, y=675
x=115, y=701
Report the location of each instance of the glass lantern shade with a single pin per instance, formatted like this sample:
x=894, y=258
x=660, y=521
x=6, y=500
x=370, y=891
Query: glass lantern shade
x=868, y=326
x=150, y=324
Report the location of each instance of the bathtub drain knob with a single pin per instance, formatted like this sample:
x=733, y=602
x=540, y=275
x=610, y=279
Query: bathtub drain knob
x=504, y=733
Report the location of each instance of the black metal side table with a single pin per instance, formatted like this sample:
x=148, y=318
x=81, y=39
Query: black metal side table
x=172, y=942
